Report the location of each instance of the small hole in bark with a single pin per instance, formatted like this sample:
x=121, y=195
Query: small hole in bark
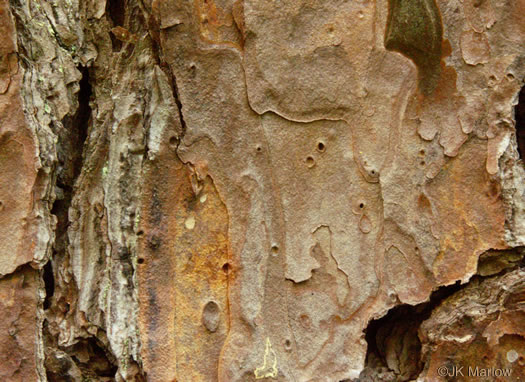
x=140, y=233
x=275, y=250
x=173, y=141
x=259, y=148
x=192, y=68
x=310, y=161
x=321, y=147
x=421, y=152
x=1, y=205
x=477, y=3
x=287, y=344
x=422, y=163
x=226, y=267
x=140, y=260
x=519, y=111
x=361, y=205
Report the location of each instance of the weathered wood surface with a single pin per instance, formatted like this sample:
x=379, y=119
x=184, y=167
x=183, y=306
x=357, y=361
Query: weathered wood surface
x=240, y=190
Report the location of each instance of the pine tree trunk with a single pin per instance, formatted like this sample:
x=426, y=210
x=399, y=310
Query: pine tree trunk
x=283, y=190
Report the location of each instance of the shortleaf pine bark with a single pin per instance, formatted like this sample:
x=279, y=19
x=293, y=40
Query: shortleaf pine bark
x=277, y=190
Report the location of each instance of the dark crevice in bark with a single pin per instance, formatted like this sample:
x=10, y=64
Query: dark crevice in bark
x=165, y=67
x=394, y=347
x=49, y=282
x=71, y=138
x=497, y=262
x=82, y=117
x=100, y=363
x=71, y=141
x=116, y=44
x=520, y=122
x=56, y=34
x=116, y=11
x=176, y=96
x=88, y=358
x=178, y=102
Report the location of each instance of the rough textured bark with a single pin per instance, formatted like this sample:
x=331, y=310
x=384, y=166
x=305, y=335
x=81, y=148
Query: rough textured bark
x=295, y=190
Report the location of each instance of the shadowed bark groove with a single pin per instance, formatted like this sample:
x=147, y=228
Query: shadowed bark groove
x=520, y=122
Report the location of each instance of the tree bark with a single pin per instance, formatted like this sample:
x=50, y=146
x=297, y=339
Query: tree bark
x=262, y=190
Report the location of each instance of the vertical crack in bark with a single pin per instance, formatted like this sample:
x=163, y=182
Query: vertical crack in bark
x=70, y=145
x=173, y=82
x=49, y=283
x=519, y=111
x=116, y=11
x=89, y=357
x=176, y=95
x=157, y=52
